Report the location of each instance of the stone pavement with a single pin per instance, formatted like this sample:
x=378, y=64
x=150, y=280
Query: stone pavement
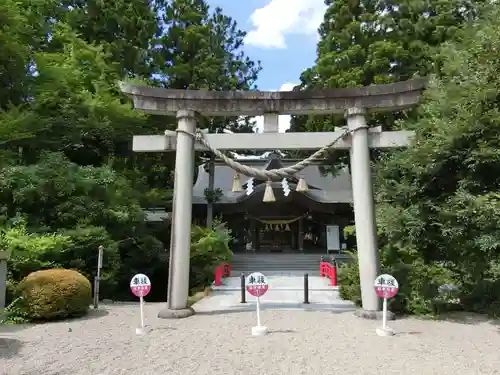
x=285, y=292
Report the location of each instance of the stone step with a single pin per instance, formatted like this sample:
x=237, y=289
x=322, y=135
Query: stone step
x=280, y=272
x=277, y=256
x=278, y=263
x=256, y=268
x=298, y=271
x=275, y=272
x=275, y=266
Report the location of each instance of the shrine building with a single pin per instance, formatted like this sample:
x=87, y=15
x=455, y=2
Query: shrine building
x=308, y=220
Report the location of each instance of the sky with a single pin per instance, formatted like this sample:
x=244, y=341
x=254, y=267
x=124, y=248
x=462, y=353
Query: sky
x=282, y=34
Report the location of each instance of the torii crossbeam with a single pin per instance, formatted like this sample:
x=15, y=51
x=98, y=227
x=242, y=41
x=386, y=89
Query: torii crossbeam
x=354, y=103
x=269, y=141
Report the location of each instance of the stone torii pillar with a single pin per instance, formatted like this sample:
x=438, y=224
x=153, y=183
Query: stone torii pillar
x=354, y=103
x=178, y=283
x=364, y=210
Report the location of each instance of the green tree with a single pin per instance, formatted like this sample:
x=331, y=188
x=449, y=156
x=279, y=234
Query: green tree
x=66, y=163
x=125, y=29
x=367, y=42
x=88, y=207
x=14, y=58
x=75, y=107
x=438, y=201
x=56, y=194
x=200, y=49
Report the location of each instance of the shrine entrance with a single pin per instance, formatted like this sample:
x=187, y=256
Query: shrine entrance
x=277, y=236
x=295, y=222
x=356, y=136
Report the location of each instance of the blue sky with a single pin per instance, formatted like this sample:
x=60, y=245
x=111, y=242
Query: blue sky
x=282, y=34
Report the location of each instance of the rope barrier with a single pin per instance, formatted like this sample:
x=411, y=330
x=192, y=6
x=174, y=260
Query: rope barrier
x=271, y=174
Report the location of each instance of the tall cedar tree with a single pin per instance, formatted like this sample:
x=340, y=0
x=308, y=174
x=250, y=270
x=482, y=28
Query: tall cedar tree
x=200, y=49
x=364, y=42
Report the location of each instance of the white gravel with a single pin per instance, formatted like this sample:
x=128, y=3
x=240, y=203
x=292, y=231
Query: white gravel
x=299, y=343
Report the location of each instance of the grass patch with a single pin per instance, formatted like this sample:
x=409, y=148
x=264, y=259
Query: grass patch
x=198, y=295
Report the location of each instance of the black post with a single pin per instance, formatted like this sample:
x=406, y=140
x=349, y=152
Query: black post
x=243, y=291
x=306, y=288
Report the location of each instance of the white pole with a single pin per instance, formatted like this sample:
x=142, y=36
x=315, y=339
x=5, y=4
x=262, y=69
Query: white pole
x=142, y=312
x=258, y=311
x=384, y=314
x=99, y=260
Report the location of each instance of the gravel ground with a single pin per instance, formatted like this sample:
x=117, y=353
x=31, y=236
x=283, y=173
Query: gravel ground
x=299, y=342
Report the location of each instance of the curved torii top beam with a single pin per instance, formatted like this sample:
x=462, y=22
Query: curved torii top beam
x=388, y=97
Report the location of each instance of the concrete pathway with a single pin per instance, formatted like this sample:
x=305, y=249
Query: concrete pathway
x=281, y=282
x=285, y=292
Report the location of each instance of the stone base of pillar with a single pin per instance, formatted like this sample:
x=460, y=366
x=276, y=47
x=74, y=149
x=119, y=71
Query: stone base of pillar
x=373, y=315
x=167, y=313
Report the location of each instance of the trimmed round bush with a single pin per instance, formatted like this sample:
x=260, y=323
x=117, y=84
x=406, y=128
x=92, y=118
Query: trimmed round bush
x=54, y=294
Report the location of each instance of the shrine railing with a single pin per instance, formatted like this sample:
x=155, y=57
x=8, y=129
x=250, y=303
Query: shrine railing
x=327, y=269
x=223, y=270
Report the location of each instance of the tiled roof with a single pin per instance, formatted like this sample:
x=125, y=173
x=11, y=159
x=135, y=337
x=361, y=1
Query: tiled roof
x=322, y=188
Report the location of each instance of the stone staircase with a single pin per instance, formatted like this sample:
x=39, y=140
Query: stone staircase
x=278, y=263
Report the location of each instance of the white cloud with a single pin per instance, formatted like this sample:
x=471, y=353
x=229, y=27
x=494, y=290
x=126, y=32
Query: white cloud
x=284, y=120
x=278, y=18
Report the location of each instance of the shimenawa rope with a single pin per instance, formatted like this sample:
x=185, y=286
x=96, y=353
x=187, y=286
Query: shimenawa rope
x=271, y=174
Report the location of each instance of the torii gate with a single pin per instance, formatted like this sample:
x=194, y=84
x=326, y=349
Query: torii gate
x=354, y=103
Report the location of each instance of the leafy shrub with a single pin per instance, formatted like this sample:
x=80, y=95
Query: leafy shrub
x=83, y=252
x=483, y=295
x=55, y=214
x=73, y=249
x=147, y=255
x=348, y=279
x=418, y=286
x=52, y=294
x=209, y=248
x=55, y=194
x=31, y=252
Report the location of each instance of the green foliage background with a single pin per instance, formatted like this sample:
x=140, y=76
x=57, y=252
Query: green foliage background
x=69, y=181
x=437, y=201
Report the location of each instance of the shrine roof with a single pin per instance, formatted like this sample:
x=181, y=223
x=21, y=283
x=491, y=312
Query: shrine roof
x=323, y=188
